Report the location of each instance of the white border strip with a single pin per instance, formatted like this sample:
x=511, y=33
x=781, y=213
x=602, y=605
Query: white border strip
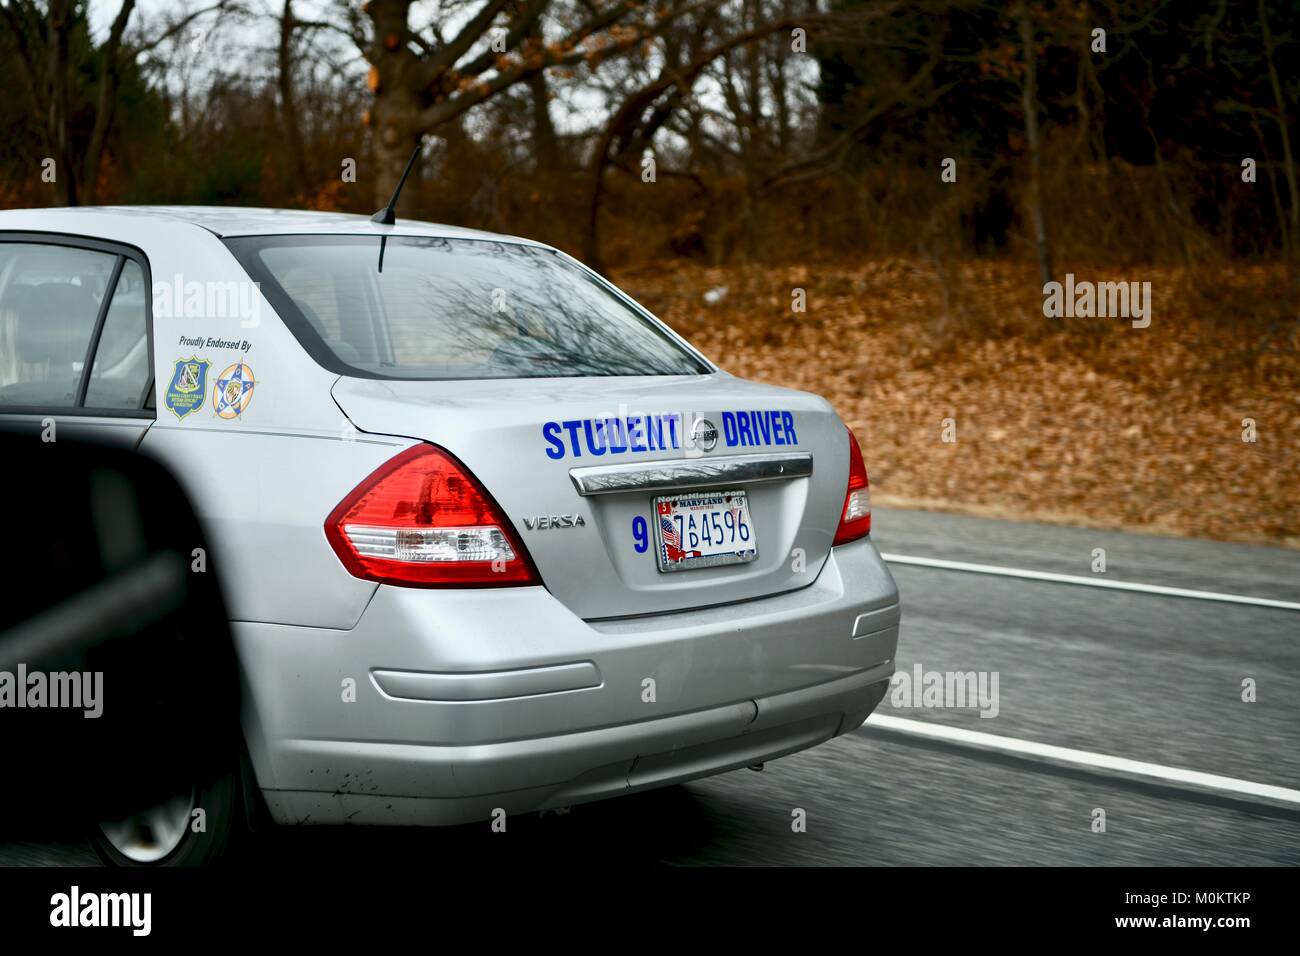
x=1088, y=582
x=1083, y=758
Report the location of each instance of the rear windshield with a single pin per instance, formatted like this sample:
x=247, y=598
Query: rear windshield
x=454, y=309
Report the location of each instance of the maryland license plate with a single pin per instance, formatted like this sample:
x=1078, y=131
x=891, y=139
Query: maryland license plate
x=703, y=530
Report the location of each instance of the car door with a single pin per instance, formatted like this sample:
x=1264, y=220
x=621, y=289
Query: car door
x=76, y=356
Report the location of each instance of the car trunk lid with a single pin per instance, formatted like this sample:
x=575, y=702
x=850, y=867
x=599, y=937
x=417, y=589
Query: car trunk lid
x=578, y=463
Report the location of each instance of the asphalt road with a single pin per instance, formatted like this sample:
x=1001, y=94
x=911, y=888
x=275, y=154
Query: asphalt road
x=1134, y=675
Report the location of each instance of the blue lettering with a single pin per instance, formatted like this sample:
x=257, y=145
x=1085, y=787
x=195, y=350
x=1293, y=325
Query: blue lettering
x=788, y=420
x=654, y=432
x=636, y=433
x=729, y=428
x=763, y=426
x=742, y=427
x=573, y=437
x=551, y=432
x=617, y=436
x=591, y=439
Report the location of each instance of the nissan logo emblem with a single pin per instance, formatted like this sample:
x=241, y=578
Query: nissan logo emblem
x=704, y=434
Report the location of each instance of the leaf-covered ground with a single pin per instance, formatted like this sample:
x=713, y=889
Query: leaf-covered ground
x=1091, y=423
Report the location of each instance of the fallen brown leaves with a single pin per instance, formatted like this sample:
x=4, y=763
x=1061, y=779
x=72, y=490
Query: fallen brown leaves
x=1093, y=422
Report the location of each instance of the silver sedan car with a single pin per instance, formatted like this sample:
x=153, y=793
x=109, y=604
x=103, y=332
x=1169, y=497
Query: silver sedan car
x=492, y=537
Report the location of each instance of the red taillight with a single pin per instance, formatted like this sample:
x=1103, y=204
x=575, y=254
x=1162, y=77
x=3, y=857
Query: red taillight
x=422, y=520
x=855, y=516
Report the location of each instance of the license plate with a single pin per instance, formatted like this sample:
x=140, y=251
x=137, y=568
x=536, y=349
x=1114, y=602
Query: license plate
x=703, y=530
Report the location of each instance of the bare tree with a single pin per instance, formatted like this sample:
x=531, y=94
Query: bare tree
x=43, y=38
x=1033, y=138
x=707, y=41
x=284, y=76
x=1280, y=118
x=44, y=43
x=422, y=79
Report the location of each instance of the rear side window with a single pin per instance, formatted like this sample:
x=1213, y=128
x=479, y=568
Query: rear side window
x=120, y=372
x=454, y=309
x=50, y=298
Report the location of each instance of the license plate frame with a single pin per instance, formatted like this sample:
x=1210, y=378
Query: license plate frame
x=704, y=503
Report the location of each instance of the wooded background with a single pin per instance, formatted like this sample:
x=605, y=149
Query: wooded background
x=781, y=130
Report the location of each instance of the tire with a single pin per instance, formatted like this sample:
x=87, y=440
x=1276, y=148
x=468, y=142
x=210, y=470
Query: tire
x=165, y=835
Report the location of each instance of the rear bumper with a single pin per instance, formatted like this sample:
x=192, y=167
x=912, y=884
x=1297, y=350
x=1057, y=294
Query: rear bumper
x=470, y=701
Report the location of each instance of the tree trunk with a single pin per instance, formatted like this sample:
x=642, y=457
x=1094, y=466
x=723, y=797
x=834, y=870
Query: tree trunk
x=1029, y=99
x=108, y=84
x=57, y=119
x=288, y=107
x=395, y=139
x=545, y=142
x=546, y=145
x=595, y=191
x=780, y=87
x=398, y=98
x=1288, y=158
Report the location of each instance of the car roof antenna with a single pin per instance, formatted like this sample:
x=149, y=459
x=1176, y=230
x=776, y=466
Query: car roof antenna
x=388, y=215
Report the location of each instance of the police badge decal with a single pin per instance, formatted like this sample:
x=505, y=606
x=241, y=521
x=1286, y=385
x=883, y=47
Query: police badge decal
x=233, y=391
x=188, y=386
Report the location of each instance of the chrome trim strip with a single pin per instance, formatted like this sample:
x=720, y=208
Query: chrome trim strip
x=493, y=685
x=679, y=473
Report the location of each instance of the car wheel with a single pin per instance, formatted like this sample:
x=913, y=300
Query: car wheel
x=169, y=834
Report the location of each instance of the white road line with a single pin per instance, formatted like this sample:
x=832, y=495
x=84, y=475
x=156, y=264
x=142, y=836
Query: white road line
x=1087, y=582
x=1084, y=758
